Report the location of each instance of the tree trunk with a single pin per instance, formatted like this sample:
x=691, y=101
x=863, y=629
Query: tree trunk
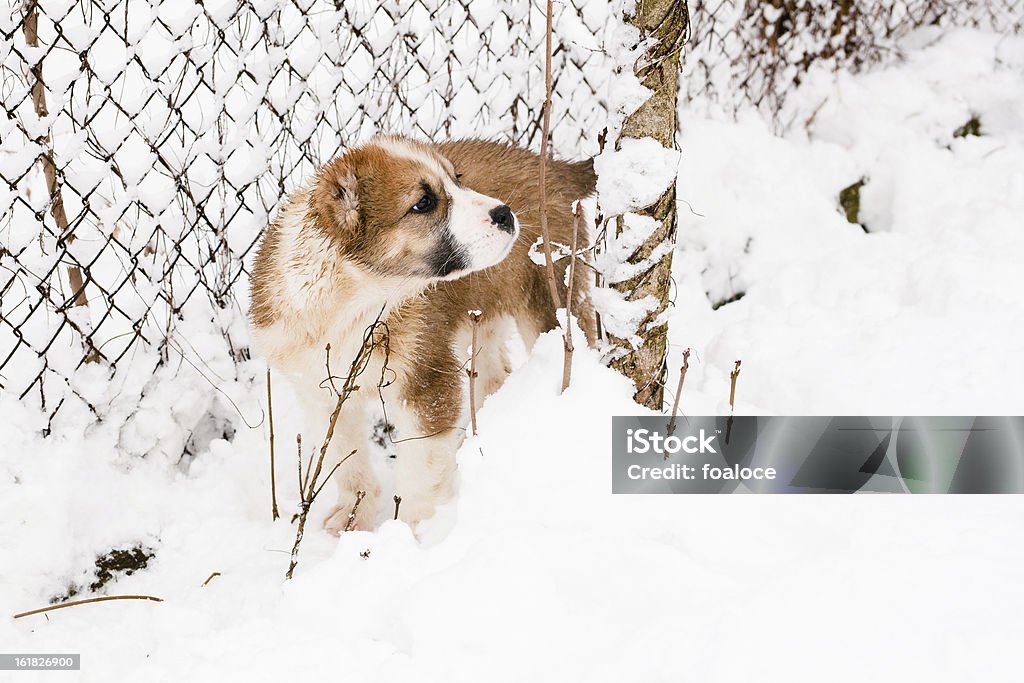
x=667, y=23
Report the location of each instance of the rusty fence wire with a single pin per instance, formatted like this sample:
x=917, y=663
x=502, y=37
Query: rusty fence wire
x=144, y=144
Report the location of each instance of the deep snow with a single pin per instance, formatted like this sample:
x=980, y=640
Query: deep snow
x=922, y=315
x=535, y=571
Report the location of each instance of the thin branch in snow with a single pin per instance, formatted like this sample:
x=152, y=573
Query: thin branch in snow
x=679, y=393
x=273, y=479
x=311, y=485
x=351, y=523
x=567, y=337
x=73, y=603
x=398, y=503
x=331, y=473
x=545, y=133
x=733, y=376
x=474, y=317
x=298, y=450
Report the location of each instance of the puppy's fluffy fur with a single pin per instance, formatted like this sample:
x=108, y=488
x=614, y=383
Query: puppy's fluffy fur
x=425, y=233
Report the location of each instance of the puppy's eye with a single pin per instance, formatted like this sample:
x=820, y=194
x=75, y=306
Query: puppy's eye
x=425, y=204
x=458, y=176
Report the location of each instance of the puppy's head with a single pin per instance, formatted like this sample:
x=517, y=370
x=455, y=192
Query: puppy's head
x=398, y=208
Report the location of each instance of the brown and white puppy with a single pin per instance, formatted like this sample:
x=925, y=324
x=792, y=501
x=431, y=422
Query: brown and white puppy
x=425, y=233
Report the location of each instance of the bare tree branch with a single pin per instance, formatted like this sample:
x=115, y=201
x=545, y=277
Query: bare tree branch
x=73, y=603
x=273, y=476
x=351, y=523
x=577, y=210
x=545, y=134
x=376, y=335
x=733, y=376
x=679, y=393
x=474, y=317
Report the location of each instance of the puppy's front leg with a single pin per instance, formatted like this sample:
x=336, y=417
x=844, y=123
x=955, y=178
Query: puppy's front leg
x=355, y=474
x=425, y=474
x=428, y=431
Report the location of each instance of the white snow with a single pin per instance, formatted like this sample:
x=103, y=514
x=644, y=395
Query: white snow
x=635, y=175
x=922, y=314
x=535, y=571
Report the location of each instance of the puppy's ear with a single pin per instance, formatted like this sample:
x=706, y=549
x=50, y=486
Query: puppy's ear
x=335, y=199
x=346, y=188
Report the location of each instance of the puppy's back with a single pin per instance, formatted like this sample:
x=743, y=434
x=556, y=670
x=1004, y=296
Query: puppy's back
x=502, y=170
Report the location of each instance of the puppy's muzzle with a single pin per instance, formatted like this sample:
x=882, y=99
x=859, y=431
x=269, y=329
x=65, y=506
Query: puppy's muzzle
x=502, y=218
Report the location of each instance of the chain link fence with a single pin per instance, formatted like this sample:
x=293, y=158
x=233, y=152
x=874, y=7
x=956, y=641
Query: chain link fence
x=747, y=53
x=145, y=144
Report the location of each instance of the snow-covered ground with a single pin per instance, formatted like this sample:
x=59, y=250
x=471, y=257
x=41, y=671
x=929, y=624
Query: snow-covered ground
x=535, y=571
x=923, y=315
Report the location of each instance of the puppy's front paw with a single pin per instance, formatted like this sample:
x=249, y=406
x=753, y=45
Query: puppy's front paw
x=412, y=511
x=364, y=504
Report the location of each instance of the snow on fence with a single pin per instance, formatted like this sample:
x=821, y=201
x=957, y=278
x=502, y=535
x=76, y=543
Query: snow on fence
x=145, y=144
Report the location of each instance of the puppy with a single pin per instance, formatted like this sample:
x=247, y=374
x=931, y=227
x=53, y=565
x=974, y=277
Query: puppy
x=424, y=233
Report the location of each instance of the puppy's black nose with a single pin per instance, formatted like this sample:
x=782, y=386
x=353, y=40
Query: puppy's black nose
x=502, y=217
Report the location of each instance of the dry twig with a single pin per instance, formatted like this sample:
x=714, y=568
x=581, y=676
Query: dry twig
x=273, y=480
x=474, y=317
x=679, y=391
x=733, y=376
x=351, y=523
x=73, y=603
x=298, y=450
x=577, y=211
x=311, y=485
x=545, y=133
